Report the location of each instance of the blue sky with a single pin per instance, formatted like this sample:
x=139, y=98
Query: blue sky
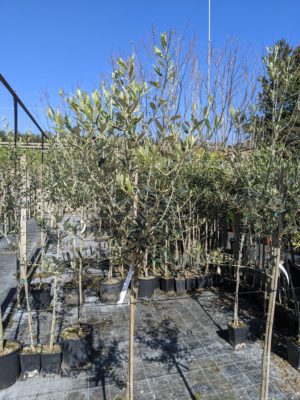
x=48, y=45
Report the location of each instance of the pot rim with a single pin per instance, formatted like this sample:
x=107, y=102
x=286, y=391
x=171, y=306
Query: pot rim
x=12, y=352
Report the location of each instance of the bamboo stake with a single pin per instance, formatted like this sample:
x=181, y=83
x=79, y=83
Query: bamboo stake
x=133, y=299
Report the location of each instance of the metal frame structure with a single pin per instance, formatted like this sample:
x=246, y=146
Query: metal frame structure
x=17, y=101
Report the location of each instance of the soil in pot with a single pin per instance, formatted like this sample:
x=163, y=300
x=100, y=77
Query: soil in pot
x=167, y=284
x=146, y=286
x=293, y=353
x=76, y=345
x=41, y=296
x=110, y=291
x=30, y=360
x=51, y=360
x=180, y=285
x=237, y=333
x=9, y=364
x=190, y=284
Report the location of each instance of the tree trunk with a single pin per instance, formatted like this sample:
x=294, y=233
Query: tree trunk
x=270, y=317
x=29, y=313
x=236, y=300
x=53, y=322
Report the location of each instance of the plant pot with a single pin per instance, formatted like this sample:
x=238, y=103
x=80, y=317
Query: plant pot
x=41, y=296
x=76, y=345
x=110, y=291
x=71, y=294
x=51, y=361
x=218, y=280
x=30, y=361
x=230, y=285
x=10, y=365
x=146, y=286
x=237, y=335
x=167, y=284
x=180, y=285
x=157, y=285
x=200, y=282
x=190, y=284
x=293, y=353
x=208, y=281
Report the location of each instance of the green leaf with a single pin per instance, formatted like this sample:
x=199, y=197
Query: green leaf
x=159, y=125
x=156, y=84
x=157, y=51
x=152, y=105
x=157, y=70
x=163, y=40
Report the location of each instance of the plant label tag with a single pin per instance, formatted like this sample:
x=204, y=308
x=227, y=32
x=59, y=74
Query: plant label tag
x=125, y=287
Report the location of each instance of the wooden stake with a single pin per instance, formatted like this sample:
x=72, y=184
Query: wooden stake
x=133, y=298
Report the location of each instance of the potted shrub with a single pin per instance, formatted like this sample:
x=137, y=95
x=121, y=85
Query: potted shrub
x=51, y=353
x=237, y=329
x=30, y=357
x=110, y=288
x=146, y=283
x=76, y=340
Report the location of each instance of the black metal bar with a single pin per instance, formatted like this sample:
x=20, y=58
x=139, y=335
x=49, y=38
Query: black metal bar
x=19, y=101
x=16, y=120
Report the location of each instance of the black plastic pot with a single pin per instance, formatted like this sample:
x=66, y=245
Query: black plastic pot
x=190, y=284
x=146, y=286
x=157, y=285
x=218, y=280
x=208, y=281
x=30, y=362
x=77, y=352
x=110, y=292
x=230, y=285
x=51, y=362
x=200, y=282
x=9, y=368
x=41, y=296
x=238, y=335
x=293, y=353
x=167, y=284
x=180, y=285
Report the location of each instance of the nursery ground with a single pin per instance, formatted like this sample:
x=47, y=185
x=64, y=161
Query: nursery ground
x=181, y=352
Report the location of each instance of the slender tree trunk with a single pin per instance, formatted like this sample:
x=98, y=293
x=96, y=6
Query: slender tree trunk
x=53, y=322
x=29, y=314
x=133, y=299
x=270, y=317
x=236, y=300
x=80, y=288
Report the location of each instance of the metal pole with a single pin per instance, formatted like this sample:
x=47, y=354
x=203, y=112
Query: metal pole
x=209, y=48
x=16, y=120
